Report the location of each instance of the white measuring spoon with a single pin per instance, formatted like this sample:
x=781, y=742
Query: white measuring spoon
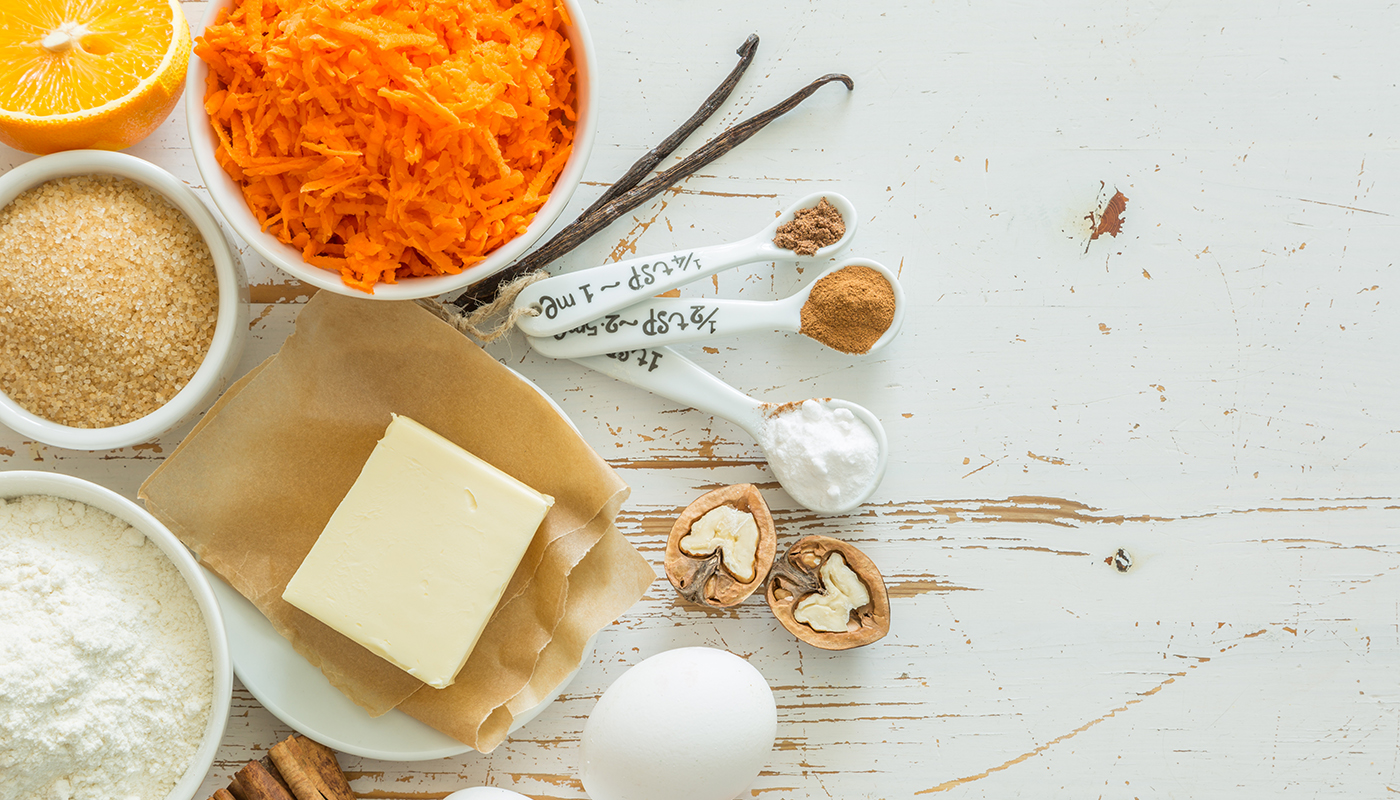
x=674, y=320
x=669, y=374
x=567, y=301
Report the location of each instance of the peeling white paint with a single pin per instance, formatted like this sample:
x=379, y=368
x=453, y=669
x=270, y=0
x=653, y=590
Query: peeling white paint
x=1213, y=391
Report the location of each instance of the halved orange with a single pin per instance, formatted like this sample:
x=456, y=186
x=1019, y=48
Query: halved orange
x=89, y=73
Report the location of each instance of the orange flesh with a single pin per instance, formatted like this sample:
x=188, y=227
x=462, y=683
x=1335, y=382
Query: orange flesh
x=113, y=45
x=392, y=138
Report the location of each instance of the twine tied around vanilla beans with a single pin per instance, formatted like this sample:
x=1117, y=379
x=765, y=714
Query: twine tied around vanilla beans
x=474, y=323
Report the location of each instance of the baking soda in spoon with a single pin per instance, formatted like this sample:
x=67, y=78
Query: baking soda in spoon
x=829, y=454
x=824, y=455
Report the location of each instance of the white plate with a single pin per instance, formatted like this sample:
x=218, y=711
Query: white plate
x=299, y=695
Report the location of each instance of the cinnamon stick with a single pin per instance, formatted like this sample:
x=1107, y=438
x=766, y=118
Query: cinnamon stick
x=295, y=768
x=310, y=769
x=254, y=782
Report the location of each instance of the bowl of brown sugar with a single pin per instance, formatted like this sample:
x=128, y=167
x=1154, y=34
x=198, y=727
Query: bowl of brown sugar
x=123, y=309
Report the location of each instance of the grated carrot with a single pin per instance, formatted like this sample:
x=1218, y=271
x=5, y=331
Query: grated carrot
x=392, y=138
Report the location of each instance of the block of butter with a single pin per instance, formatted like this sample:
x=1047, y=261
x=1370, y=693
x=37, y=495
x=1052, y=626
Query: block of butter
x=415, y=558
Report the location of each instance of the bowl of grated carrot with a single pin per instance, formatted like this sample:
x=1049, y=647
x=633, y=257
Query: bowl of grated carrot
x=391, y=149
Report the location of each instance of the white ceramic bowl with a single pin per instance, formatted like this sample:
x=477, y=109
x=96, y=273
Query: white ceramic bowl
x=230, y=332
x=16, y=484
x=229, y=198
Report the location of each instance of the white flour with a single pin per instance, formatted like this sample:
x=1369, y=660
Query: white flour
x=824, y=456
x=106, y=675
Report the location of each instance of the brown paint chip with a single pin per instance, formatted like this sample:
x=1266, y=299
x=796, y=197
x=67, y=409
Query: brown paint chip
x=1111, y=220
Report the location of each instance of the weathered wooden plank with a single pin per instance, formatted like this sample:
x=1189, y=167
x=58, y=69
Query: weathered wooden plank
x=1209, y=391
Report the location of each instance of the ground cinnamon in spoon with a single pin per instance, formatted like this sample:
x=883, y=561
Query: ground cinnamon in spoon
x=811, y=229
x=849, y=310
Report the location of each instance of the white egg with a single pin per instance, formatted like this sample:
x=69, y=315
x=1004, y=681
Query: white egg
x=689, y=724
x=485, y=793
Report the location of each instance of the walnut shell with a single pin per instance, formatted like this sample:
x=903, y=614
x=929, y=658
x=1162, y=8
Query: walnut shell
x=705, y=580
x=796, y=575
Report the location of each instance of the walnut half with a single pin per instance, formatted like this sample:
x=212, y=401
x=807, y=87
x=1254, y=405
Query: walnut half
x=714, y=557
x=829, y=594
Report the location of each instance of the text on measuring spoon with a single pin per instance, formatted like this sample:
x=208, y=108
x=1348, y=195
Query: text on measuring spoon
x=650, y=359
x=643, y=275
x=657, y=323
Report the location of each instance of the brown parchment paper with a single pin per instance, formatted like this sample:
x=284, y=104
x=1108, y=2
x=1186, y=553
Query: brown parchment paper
x=253, y=485
x=612, y=570
x=604, y=584
x=518, y=633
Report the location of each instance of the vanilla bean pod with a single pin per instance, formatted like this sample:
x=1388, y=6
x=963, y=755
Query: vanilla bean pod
x=648, y=162
x=484, y=291
x=582, y=229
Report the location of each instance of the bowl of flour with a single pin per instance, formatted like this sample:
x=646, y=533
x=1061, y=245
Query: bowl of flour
x=115, y=676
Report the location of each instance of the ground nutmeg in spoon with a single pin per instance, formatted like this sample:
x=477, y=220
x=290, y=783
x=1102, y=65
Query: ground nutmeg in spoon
x=811, y=229
x=849, y=310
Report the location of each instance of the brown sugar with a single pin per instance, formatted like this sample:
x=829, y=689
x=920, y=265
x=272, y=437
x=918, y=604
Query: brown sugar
x=849, y=310
x=108, y=300
x=811, y=229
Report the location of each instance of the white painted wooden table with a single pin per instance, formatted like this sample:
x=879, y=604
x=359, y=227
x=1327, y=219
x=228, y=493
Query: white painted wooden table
x=1212, y=391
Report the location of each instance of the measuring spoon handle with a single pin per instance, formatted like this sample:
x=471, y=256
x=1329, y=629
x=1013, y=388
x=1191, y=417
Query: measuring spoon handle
x=662, y=371
x=669, y=320
x=569, y=300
